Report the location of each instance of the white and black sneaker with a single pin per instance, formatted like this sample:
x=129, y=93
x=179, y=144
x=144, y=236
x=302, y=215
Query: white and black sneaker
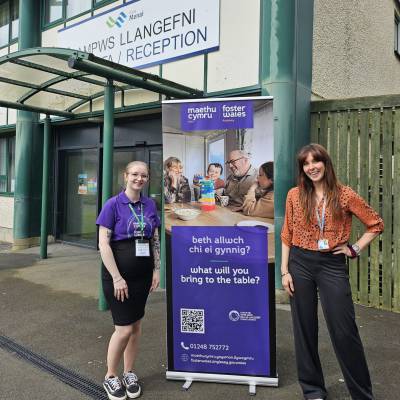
x=130, y=381
x=113, y=386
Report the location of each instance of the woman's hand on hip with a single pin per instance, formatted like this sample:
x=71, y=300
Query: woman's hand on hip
x=342, y=249
x=156, y=280
x=287, y=283
x=120, y=289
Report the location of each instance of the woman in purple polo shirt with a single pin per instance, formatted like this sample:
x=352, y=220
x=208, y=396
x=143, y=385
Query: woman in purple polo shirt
x=130, y=251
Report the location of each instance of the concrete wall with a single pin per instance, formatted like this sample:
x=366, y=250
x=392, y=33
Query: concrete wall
x=353, y=49
x=6, y=218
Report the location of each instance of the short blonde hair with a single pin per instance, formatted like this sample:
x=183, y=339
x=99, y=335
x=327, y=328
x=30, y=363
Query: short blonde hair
x=134, y=163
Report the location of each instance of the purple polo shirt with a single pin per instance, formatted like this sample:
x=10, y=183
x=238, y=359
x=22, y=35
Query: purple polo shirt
x=117, y=216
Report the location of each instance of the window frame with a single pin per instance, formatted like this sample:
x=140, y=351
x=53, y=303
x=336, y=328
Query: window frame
x=396, y=44
x=10, y=40
x=63, y=19
x=102, y=3
x=217, y=138
x=58, y=21
x=89, y=10
x=9, y=158
x=13, y=40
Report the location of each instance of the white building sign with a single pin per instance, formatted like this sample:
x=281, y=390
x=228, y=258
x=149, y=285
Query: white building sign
x=142, y=33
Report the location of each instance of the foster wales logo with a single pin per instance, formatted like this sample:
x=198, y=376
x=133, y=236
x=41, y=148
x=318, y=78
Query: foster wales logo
x=234, y=315
x=119, y=21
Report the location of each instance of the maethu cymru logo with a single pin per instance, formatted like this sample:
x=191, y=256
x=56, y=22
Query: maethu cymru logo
x=119, y=21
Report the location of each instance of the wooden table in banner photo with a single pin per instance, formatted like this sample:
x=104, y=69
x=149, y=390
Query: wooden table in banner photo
x=221, y=216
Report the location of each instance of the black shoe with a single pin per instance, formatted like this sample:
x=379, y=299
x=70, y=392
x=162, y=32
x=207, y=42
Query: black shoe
x=130, y=381
x=114, y=388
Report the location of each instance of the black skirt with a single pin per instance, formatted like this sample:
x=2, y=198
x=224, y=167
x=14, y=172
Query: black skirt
x=138, y=274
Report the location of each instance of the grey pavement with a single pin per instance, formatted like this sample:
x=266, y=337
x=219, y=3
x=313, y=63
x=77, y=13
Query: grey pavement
x=50, y=307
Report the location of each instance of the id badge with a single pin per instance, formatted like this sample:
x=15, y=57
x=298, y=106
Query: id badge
x=142, y=248
x=323, y=244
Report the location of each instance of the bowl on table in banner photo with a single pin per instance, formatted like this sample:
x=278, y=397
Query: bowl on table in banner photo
x=186, y=214
x=249, y=222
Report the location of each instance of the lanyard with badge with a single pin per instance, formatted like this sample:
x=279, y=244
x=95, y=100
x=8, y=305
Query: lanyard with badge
x=322, y=243
x=142, y=245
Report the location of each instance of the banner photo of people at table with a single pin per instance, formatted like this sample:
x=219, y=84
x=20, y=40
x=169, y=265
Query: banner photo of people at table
x=219, y=229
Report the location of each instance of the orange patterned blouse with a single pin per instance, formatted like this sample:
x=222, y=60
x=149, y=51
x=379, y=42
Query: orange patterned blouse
x=296, y=231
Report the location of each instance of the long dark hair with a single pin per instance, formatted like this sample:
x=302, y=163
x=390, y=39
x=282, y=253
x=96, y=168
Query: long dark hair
x=268, y=169
x=306, y=187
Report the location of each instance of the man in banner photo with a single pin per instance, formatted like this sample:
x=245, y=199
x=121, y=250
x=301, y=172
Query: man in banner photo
x=243, y=176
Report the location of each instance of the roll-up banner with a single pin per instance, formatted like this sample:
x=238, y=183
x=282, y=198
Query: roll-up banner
x=219, y=229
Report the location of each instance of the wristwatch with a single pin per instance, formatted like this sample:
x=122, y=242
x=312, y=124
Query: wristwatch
x=356, y=248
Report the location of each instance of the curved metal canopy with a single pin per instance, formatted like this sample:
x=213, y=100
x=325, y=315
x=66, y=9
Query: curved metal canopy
x=65, y=82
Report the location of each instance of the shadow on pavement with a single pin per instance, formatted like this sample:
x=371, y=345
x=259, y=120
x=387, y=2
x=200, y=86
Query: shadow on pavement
x=15, y=260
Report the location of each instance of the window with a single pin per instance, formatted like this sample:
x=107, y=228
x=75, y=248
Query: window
x=4, y=23
x=397, y=34
x=7, y=169
x=3, y=165
x=11, y=167
x=57, y=10
x=9, y=21
x=216, y=152
x=53, y=10
x=14, y=10
x=75, y=7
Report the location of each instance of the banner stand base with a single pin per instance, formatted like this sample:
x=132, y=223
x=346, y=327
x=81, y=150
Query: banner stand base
x=252, y=381
x=187, y=384
x=252, y=389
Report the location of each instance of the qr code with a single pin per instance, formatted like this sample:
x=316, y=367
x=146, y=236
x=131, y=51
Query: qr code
x=192, y=320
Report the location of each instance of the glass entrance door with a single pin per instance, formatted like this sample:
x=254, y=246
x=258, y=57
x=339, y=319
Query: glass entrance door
x=78, y=186
x=79, y=189
x=151, y=155
x=122, y=157
x=156, y=170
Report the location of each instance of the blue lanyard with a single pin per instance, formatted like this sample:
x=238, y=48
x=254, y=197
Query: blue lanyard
x=321, y=220
x=141, y=220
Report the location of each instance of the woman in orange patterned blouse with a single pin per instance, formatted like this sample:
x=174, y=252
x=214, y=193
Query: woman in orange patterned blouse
x=315, y=237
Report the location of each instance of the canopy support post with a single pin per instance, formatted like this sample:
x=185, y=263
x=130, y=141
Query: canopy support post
x=108, y=152
x=28, y=145
x=45, y=188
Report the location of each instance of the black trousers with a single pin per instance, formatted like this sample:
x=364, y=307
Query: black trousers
x=326, y=273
